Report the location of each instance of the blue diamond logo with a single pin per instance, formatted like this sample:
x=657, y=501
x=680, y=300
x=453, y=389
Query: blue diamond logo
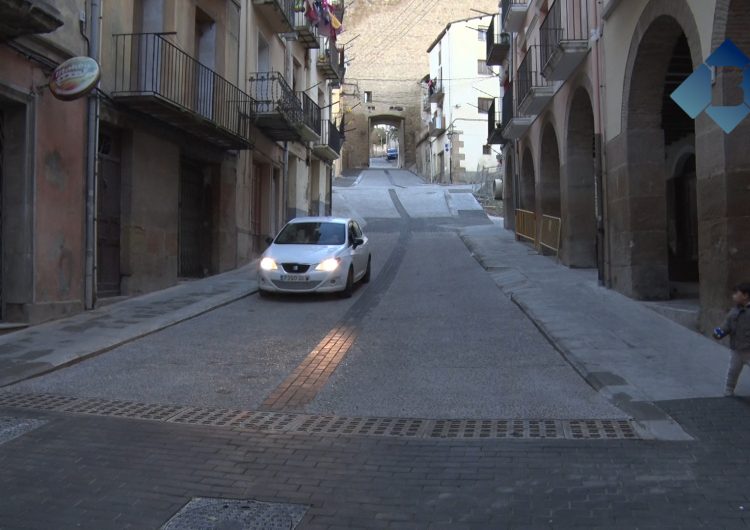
x=694, y=94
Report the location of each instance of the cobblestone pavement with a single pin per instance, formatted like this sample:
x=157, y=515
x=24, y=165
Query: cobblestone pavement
x=96, y=472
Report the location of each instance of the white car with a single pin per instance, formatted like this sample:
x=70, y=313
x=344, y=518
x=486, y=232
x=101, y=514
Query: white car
x=316, y=255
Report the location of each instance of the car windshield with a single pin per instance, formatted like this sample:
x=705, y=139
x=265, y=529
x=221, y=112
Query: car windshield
x=312, y=234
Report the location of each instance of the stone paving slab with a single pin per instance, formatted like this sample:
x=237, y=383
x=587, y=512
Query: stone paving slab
x=621, y=347
x=46, y=347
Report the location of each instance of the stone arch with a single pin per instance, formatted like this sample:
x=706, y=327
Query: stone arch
x=660, y=21
x=664, y=50
x=549, y=172
x=579, y=184
x=527, y=193
x=397, y=122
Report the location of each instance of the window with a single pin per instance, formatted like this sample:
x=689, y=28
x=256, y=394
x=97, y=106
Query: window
x=368, y=96
x=486, y=150
x=482, y=34
x=483, y=104
x=483, y=69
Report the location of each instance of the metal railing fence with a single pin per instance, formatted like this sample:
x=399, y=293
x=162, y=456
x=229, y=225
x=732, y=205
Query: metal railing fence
x=148, y=64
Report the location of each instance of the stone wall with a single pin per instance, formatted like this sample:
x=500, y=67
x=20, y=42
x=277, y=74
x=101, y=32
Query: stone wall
x=389, y=58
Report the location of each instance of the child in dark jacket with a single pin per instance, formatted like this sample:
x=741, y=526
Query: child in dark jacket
x=737, y=327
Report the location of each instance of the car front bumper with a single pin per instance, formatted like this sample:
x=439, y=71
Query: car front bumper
x=312, y=282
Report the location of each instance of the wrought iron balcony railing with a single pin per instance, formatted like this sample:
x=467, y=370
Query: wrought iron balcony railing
x=329, y=146
x=498, y=43
x=498, y=120
x=278, y=109
x=494, y=124
x=565, y=31
x=331, y=61
x=534, y=91
x=156, y=77
x=310, y=116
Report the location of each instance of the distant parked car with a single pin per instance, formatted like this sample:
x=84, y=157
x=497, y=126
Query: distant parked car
x=316, y=254
x=391, y=153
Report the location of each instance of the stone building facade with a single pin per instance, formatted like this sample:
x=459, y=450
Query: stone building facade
x=195, y=163
x=387, y=44
x=42, y=165
x=654, y=199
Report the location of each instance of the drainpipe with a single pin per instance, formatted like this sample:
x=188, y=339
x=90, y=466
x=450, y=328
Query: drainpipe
x=91, y=156
x=606, y=267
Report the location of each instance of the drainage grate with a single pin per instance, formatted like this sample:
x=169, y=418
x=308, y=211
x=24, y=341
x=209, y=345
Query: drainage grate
x=11, y=428
x=122, y=409
x=361, y=426
x=232, y=513
x=35, y=401
x=601, y=429
x=332, y=425
x=527, y=429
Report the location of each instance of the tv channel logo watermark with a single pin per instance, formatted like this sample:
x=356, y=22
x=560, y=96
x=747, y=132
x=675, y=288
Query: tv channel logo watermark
x=694, y=94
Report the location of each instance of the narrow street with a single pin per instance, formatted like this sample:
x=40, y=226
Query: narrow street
x=428, y=371
x=434, y=338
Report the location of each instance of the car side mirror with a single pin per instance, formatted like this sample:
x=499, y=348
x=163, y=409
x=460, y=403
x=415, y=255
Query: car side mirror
x=358, y=241
x=269, y=240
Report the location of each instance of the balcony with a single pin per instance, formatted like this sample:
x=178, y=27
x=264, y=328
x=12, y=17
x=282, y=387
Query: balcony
x=279, y=14
x=307, y=34
x=514, y=14
x=494, y=123
x=513, y=126
x=329, y=146
x=309, y=127
x=564, y=38
x=27, y=17
x=426, y=103
x=436, y=93
x=498, y=43
x=534, y=91
x=331, y=63
x=155, y=77
x=437, y=126
x=278, y=110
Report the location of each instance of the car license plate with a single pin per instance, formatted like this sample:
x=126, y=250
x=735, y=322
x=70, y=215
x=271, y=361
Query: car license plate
x=294, y=278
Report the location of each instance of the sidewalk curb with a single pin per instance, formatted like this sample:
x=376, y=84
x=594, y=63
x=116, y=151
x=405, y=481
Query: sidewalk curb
x=652, y=422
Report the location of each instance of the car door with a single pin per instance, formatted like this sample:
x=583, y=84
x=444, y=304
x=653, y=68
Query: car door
x=361, y=253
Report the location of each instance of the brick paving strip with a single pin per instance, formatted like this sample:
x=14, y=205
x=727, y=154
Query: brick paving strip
x=304, y=383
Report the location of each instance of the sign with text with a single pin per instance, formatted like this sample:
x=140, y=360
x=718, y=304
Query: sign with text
x=74, y=78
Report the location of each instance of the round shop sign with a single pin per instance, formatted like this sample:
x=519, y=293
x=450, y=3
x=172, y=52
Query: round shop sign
x=74, y=78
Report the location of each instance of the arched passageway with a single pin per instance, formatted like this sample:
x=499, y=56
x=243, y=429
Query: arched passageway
x=528, y=190
x=657, y=132
x=386, y=139
x=578, y=190
x=549, y=173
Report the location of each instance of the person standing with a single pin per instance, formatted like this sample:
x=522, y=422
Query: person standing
x=737, y=328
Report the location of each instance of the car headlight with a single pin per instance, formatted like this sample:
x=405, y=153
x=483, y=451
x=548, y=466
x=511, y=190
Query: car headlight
x=328, y=265
x=267, y=264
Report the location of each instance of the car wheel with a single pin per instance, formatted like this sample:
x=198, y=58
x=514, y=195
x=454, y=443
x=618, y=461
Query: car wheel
x=368, y=271
x=349, y=289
